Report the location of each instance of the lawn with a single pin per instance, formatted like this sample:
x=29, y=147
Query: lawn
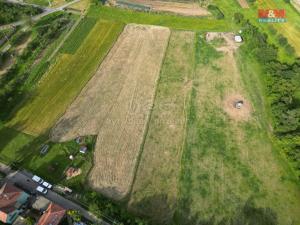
x=167, y=20
x=155, y=190
x=230, y=169
x=64, y=80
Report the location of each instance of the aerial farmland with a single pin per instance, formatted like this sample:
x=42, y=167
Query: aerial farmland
x=157, y=112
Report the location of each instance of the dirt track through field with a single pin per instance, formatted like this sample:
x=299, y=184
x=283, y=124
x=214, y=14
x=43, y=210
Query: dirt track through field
x=244, y=4
x=116, y=104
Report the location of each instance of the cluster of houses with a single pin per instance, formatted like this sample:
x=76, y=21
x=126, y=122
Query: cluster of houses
x=18, y=207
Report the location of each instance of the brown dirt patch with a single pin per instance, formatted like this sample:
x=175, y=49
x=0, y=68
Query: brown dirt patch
x=116, y=104
x=185, y=9
x=244, y=4
x=296, y=4
x=242, y=114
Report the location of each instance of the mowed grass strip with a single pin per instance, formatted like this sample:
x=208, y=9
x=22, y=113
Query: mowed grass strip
x=79, y=34
x=155, y=188
x=64, y=80
x=167, y=20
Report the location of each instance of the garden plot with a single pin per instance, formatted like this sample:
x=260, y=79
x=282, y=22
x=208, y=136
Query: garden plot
x=154, y=191
x=115, y=104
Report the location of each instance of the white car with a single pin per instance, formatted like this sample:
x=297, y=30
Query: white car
x=37, y=179
x=47, y=185
x=42, y=190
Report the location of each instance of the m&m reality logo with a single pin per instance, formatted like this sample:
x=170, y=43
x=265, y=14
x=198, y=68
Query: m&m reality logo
x=271, y=15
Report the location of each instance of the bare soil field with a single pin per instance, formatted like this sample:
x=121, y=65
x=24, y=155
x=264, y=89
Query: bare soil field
x=116, y=104
x=185, y=9
x=243, y=113
x=244, y=4
x=155, y=190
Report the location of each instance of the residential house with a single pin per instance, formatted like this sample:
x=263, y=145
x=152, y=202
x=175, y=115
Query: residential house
x=53, y=215
x=12, y=199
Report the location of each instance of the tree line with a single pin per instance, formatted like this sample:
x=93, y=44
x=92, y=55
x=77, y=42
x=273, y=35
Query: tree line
x=282, y=82
x=10, y=12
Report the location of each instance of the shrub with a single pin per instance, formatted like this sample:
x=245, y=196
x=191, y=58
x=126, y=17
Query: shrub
x=215, y=11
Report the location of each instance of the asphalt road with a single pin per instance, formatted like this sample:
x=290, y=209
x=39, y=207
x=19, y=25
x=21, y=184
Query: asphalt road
x=24, y=181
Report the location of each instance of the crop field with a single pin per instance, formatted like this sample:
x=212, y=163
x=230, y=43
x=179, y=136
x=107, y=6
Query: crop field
x=116, y=104
x=61, y=84
x=228, y=164
x=154, y=191
x=78, y=35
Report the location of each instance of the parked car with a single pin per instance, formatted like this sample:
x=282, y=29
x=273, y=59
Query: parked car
x=37, y=179
x=44, y=149
x=41, y=190
x=47, y=185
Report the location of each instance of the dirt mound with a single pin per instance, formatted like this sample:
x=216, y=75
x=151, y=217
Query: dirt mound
x=239, y=114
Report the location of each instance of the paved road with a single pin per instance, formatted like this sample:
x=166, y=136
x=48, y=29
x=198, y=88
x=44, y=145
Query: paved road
x=23, y=180
x=46, y=12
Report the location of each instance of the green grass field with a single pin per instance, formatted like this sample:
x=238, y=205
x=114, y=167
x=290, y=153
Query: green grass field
x=174, y=22
x=64, y=80
x=230, y=169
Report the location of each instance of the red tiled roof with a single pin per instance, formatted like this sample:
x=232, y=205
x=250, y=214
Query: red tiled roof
x=9, y=195
x=52, y=215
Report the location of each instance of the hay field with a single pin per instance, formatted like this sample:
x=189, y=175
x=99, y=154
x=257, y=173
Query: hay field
x=116, y=104
x=230, y=170
x=64, y=80
x=154, y=191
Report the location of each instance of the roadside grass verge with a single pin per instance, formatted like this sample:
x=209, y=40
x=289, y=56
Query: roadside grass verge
x=64, y=80
x=171, y=21
x=155, y=188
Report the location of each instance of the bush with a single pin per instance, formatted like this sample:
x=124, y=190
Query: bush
x=238, y=17
x=20, y=37
x=215, y=11
x=282, y=40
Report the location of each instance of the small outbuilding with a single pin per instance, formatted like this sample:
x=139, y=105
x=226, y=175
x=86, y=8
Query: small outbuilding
x=83, y=149
x=238, y=38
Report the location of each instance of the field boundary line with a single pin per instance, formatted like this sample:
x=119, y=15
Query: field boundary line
x=148, y=121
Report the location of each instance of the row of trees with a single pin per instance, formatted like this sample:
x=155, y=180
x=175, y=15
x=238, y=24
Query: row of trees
x=12, y=12
x=282, y=84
